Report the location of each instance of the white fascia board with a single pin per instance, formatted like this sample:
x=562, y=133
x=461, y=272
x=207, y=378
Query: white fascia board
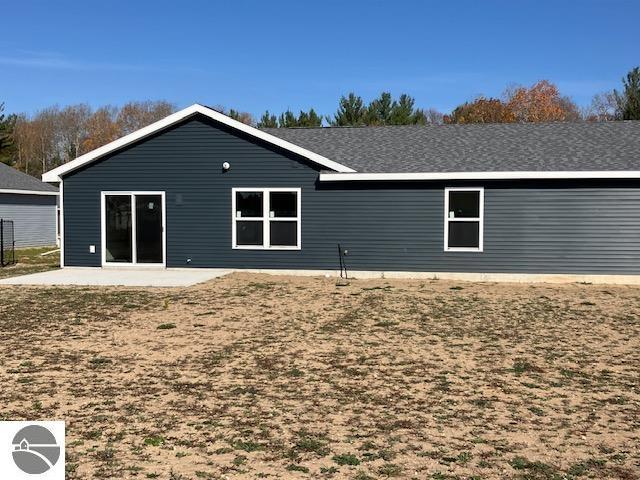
x=350, y=177
x=56, y=174
x=27, y=192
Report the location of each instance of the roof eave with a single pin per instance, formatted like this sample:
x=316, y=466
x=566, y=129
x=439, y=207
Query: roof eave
x=56, y=174
x=16, y=191
x=512, y=175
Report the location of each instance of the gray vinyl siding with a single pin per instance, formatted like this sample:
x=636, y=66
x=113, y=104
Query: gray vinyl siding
x=530, y=227
x=34, y=218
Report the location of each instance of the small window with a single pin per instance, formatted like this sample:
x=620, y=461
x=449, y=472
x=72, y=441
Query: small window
x=266, y=218
x=463, y=219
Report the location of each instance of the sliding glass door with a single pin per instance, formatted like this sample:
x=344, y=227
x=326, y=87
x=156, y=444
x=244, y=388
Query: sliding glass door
x=118, y=229
x=133, y=228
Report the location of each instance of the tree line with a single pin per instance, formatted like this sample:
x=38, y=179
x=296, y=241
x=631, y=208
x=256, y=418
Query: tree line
x=54, y=135
x=353, y=111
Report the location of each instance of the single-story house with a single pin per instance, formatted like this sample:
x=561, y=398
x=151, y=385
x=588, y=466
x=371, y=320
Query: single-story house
x=31, y=205
x=199, y=189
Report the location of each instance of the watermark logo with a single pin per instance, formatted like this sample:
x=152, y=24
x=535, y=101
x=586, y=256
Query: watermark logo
x=33, y=450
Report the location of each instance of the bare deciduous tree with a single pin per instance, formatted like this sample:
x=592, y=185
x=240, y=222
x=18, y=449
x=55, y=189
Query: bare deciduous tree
x=135, y=115
x=26, y=144
x=433, y=116
x=101, y=128
x=72, y=126
x=603, y=108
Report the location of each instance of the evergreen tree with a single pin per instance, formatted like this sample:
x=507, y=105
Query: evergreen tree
x=268, y=120
x=6, y=136
x=402, y=111
x=628, y=101
x=380, y=110
x=287, y=119
x=384, y=110
x=420, y=117
x=309, y=119
x=351, y=112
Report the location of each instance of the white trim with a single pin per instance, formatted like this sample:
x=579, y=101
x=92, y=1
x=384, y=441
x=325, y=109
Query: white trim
x=523, y=175
x=134, y=254
x=58, y=226
x=479, y=219
x=27, y=192
x=56, y=174
x=266, y=219
x=61, y=203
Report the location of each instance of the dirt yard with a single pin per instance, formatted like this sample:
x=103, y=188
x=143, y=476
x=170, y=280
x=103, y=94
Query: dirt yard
x=252, y=376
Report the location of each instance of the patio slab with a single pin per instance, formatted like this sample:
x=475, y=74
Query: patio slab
x=127, y=277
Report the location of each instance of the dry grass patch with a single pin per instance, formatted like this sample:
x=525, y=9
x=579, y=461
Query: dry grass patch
x=284, y=377
x=30, y=260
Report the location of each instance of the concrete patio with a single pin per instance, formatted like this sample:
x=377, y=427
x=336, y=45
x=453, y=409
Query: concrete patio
x=138, y=277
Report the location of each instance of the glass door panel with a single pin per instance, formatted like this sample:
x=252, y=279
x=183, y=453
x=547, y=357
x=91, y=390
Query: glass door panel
x=149, y=229
x=118, y=226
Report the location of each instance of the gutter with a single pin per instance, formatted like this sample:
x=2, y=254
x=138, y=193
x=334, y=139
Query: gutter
x=28, y=192
x=514, y=175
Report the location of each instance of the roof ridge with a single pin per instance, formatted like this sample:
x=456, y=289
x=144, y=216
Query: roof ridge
x=461, y=125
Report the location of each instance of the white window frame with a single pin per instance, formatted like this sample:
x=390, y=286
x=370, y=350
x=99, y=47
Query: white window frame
x=479, y=220
x=134, y=251
x=265, y=218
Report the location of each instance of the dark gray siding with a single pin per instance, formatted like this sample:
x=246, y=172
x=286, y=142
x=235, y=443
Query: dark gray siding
x=534, y=227
x=34, y=218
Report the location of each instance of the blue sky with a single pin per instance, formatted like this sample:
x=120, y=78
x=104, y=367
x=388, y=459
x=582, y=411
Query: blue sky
x=257, y=55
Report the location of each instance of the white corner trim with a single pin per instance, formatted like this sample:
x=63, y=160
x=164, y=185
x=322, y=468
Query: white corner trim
x=27, y=192
x=541, y=175
x=55, y=174
x=61, y=205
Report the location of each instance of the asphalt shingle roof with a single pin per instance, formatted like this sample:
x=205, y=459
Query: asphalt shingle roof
x=582, y=146
x=12, y=179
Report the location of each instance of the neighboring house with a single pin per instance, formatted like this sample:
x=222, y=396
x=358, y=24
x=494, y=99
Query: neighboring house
x=31, y=205
x=199, y=189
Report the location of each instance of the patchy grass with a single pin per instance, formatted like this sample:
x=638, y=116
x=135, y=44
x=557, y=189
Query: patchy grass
x=30, y=260
x=281, y=377
x=166, y=326
x=346, y=459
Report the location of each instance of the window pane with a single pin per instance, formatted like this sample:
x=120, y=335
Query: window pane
x=284, y=234
x=464, y=234
x=283, y=204
x=118, y=233
x=249, y=233
x=249, y=204
x=464, y=204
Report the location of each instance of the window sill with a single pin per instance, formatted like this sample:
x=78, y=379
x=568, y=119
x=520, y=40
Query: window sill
x=463, y=249
x=260, y=247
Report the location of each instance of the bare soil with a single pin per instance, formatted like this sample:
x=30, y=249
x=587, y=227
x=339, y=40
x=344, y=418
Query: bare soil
x=253, y=376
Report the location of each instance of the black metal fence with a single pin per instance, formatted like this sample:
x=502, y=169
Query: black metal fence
x=7, y=243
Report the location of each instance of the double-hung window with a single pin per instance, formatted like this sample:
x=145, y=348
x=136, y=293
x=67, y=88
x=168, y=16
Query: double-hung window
x=266, y=218
x=463, y=219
